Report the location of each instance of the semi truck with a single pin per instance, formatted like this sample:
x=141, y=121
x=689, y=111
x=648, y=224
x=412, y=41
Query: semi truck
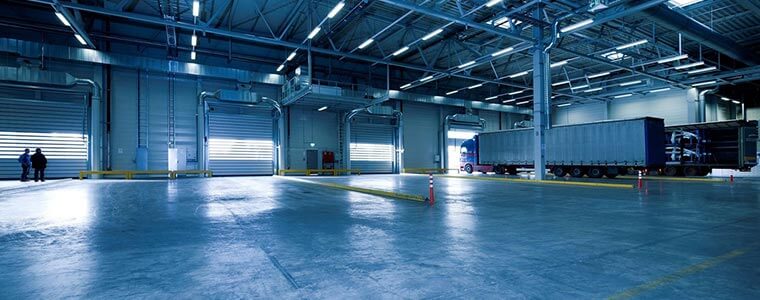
x=614, y=147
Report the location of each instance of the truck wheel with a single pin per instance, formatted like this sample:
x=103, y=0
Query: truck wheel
x=577, y=172
x=612, y=172
x=691, y=171
x=559, y=172
x=595, y=172
x=499, y=170
x=512, y=170
x=704, y=171
x=671, y=171
x=468, y=168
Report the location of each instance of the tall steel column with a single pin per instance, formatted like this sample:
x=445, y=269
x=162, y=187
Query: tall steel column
x=541, y=85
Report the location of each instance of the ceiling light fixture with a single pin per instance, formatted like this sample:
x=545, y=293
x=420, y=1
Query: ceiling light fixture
x=672, y=58
x=734, y=101
x=492, y=3
x=725, y=99
x=502, y=51
x=366, y=43
x=630, y=83
x=475, y=86
x=711, y=82
x=629, y=45
x=399, y=51
x=291, y=56
x=523, y=73
x=686, y=66
x=708, y=69
x=314, y=33
x=622, y=96
x=557, y=64
x=322, y=108
x=593, y=90
x=426, y=78
x=564, y=104
x=194, y=40
x=406, y=86
x=576, y=25
x=196, y=8
x=507, y=101
x=80, y=39
x=598, y=75
x=659, y=90
x=491, y=98
x=560, y=83
x=452, y=92
x=467, y=64
x=63, y=19
x=192, y=55
x=336, y=9
x=280, y=68
x=515, y=93
x=579, y=87
x=523, y=102
x=432, y=34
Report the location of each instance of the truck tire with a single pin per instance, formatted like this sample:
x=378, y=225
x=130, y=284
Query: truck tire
x=612, y=172
x=468, y=168
x=499, y=170
x=512, y=170
x=596, y=172
x=577, y=172
x=559, y=171
x=704, y=171
x=691, y=171
x=671, y=171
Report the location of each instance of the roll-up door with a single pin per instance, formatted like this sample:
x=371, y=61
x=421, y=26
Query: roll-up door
x=240, y=140
x=372, y=148
x=59, y=128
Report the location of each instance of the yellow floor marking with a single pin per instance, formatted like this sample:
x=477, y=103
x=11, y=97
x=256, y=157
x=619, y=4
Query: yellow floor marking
x=635, y=291
x=675, y=178
x=381, y=193
x=556, y=182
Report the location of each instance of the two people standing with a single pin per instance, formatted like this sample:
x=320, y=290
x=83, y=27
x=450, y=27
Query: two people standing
x=38, y=161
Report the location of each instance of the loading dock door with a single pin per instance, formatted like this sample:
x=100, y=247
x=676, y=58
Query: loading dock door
x=240, y=140
x=372, y=148
x=58, y=127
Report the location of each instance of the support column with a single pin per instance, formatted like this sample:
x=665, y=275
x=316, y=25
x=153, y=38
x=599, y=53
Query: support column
x=541, y=85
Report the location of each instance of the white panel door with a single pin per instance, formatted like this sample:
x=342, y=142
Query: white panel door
x=241, y=143
x=59, y=128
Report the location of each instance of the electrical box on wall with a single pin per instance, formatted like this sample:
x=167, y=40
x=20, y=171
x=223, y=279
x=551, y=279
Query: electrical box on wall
x=177, y=159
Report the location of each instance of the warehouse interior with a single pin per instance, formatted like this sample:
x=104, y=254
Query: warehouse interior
x=380, y=149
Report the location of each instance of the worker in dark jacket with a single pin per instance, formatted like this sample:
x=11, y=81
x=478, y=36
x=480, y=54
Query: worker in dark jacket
x=39, y=163
x=26, y=162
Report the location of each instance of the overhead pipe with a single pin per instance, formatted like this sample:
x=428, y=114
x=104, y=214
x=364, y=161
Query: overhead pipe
x=701, y=113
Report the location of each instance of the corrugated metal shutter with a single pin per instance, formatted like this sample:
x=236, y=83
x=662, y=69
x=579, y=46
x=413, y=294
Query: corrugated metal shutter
x=58, y=127
x=241, y=143
x=372, y=148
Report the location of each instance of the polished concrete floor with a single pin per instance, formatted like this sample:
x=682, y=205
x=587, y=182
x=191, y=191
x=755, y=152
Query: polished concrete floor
x=269, y=237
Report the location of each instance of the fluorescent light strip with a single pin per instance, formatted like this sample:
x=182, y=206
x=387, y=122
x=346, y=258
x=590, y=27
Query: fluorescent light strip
x=291, y=56
x=725, y=99
x=576, y=25
x=366, y=43
x=704, y=83
x=561, y=83
x=659, y=90
x=515, y=93
x=492, y=3
x=194, y=40
x=564, y=104
x=523, y=73
x=630, y=83
x=399, y=51
x=629, y=45
x=708, y=69
x=314, y=33
x=579, y=87
x=475, y=86
x=63, y=19
x=80, y=39
x=280, y=68
x=426, y=78
x=452, y=92
x=557, y=64
x=322, y=108
x=622, y=96
x=598, y=75
x=467, y=64
x=491, y=98
x=192, y=55
x=673, y=58
x=686, y=66
x=406, y=86
x=593, y=90
x=502, y=51
x=432, y=34
x=196, y=8
x=523, y=102
x=736, y=102
x=507, y=101
x=336, y=10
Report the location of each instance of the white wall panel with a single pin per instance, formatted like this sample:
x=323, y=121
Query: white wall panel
x=422, y=124
x=492, y=119
x=675, y=106
x=579, y=113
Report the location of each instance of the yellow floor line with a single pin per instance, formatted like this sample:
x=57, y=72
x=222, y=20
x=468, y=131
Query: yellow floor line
x=556, y=182
x=374, y=192
x=712, y=262
x=687, y=179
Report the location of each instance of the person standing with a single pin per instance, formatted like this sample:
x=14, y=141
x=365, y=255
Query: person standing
x=39, y=163
x=26, y=162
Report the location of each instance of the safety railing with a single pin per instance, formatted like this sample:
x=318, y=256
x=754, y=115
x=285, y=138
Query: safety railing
x=309, y=172
x=130, y=174
x=427, y=170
